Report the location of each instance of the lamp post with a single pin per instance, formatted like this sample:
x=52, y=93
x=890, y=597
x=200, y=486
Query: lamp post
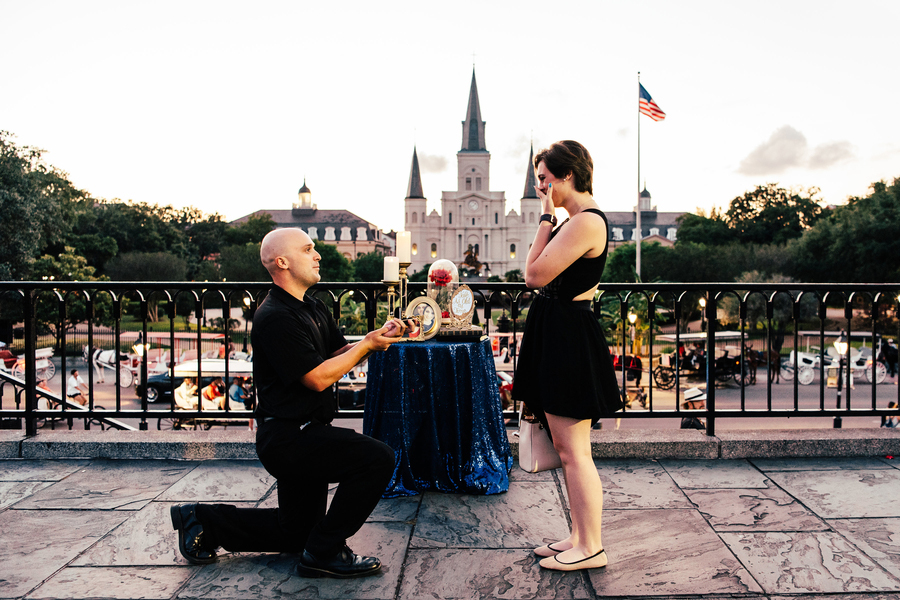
x=840, y=345
x=246, y=321
x=702, y=314
x=632, y=318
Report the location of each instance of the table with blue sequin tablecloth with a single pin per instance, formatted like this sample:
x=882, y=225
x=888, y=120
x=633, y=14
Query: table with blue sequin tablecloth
x=437, y=404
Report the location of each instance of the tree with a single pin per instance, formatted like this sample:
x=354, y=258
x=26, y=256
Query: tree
x=514, y=275
x=253, y=230
x=37, y=204
x=68, y=266
x=146, y=266
x=369, y=267
x=655, y=261
x=240, y=262
x=772, y=215
x=698, y=229
x=859, y=242
x=333, y=266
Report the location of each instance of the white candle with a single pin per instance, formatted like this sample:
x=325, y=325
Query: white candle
x=403, y=246
x=391, y=268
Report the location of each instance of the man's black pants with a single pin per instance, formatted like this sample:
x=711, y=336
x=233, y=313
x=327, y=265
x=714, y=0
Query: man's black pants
x=305, y=462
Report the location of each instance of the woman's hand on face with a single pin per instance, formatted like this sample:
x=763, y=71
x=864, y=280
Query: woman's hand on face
x=546, y=199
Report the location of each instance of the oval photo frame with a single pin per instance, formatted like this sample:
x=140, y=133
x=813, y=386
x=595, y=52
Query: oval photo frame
x=429, y=314
x=462, y=303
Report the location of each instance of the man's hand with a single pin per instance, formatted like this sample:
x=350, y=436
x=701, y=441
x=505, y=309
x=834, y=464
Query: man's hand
x=381, y=339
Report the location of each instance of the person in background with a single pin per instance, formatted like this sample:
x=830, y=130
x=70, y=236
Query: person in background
x=892, y=421
x=76, y=388
x=694, y=399
x=237, y=396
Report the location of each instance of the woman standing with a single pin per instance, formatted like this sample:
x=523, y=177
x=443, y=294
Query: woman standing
x=565, y=373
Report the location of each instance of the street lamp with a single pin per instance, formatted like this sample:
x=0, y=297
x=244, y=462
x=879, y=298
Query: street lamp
x=246, y=320
x=702, y=314
x=632, y=318
x=840, y=345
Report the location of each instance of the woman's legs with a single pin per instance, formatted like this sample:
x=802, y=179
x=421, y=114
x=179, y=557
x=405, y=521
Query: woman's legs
x=572, y=439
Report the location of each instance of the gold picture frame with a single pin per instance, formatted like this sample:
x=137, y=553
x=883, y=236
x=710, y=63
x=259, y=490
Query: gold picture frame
x=429, y=314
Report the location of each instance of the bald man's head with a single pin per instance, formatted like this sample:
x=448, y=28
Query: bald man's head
x=279, y=242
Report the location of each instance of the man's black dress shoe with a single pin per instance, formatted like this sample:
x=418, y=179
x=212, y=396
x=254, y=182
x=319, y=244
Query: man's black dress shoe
x=344, y=564
x=190, y=534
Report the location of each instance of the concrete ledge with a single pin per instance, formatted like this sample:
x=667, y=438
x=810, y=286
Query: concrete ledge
x=798, y=443
x=630, y=443
x=188, y=445
x=10, y=443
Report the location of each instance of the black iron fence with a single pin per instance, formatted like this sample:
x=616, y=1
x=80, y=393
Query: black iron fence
x=743, y=344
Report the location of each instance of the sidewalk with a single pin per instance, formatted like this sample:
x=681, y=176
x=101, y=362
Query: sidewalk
x=756, y=528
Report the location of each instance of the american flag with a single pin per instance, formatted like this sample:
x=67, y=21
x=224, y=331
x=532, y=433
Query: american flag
x=649, y=107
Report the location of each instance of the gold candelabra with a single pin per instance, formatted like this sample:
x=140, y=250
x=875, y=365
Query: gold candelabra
x=392, y=297
x=404, y=288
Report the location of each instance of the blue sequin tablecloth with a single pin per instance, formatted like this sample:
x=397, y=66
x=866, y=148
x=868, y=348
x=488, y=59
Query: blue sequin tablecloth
x=437, y=404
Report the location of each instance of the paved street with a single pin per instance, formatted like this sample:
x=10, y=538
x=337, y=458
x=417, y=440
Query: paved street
x=759, y=528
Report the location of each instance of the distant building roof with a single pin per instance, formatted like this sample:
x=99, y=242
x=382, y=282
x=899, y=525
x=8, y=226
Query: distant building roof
x=319, y=219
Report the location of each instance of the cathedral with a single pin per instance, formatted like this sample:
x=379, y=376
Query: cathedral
x=473, y=228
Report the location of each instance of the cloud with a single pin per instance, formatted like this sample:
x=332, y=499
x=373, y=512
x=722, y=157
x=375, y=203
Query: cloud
x=785, y=148
x=788, y=148
x=826, y=155
x=432, y=163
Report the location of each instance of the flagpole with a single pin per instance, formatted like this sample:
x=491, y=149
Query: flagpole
x=637, y=237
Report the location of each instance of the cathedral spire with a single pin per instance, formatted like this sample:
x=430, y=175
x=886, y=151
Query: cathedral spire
x=530, y=180
x=473, y=126
x=414, y=190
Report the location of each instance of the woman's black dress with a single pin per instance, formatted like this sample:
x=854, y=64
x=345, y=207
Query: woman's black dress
x=564, y=366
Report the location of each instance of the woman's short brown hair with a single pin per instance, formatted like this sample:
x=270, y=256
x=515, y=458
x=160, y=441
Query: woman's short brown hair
x=568, y=156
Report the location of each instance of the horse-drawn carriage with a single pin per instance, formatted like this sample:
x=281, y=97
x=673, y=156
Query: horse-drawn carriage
x=188, y=399
x=692, y=362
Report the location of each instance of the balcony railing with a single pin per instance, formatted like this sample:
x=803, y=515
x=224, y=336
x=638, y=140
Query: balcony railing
x=793, y=323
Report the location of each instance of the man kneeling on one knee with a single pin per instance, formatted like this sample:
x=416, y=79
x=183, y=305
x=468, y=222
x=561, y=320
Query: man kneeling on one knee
x=299, y=354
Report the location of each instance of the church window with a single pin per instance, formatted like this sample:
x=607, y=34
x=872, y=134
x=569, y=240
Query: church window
x=496, y=218
x=450, y=216
x=486, y=242
x=531, y=217
x=468, y=183
x=478, y=183
x=415, y=217
x=434, y=251
x=654, y=231
x=617, y=234
x=414, y=249
x=473, y=220
x=407, y=218
x=512, y=250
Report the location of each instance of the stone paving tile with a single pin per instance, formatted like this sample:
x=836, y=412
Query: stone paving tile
x=222, y=481
x=878, y=538
x=638, y=484
x=808, y=562
x=526, y=516
x=146, y=538
x=517, y=474
x=844, y=494
x=403, y=508
x=13, y=491
x=110, y=485
x=467, y=573
x=656, y=552
x=125, y=583
x=819, y=464
x=39, y=470
x=264, y=576
x=756, y=509
x=43, y=542
x=714, y=474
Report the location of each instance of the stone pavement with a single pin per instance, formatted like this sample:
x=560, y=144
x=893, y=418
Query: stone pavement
x=746, y=528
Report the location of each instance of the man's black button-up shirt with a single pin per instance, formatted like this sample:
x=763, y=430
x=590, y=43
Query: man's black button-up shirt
x=290, y=338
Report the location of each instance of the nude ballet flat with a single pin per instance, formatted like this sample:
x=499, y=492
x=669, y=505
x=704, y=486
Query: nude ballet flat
x=547, y=551
x=591, y=562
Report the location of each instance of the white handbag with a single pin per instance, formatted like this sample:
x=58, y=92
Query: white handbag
x=536, y=451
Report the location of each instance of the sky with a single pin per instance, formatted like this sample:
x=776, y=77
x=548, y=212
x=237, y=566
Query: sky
x=228, y=106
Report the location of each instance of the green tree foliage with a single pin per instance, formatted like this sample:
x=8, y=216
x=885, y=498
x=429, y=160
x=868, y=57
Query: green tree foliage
x=859, y=242
x=251, y=231
x=369, y=267
x=698, y=229
x=146, y=266
x=420, y=275
x=514, y=275
x=772, y=215
x=69, y=266
x=37, y=206
x=333, y=266
x=240, y=262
